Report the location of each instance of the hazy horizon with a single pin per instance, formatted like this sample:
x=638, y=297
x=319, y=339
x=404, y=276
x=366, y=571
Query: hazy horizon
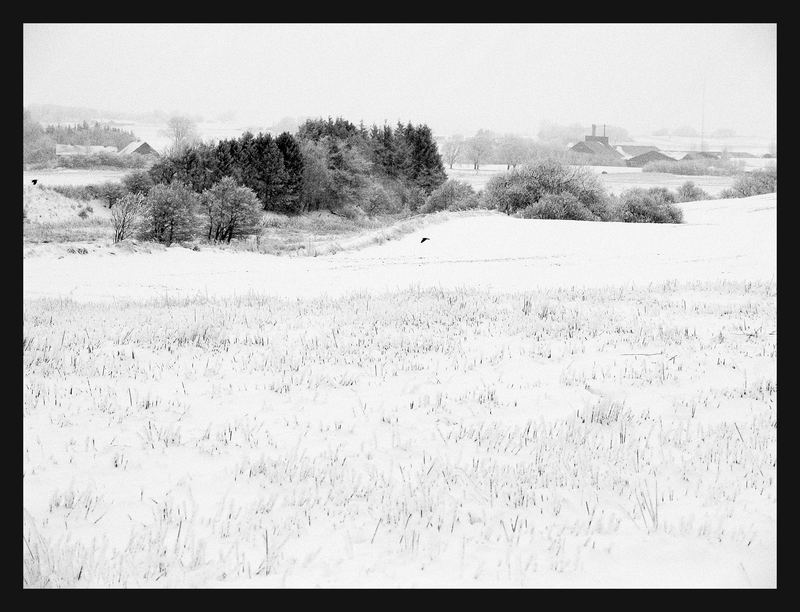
x=503, y=77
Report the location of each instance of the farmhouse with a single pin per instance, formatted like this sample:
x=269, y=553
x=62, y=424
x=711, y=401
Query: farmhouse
x=596, y=145
x=139, y=147
x=64, y=149
x=638, y=161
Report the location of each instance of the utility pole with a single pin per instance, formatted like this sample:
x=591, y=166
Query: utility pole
x=703, y=119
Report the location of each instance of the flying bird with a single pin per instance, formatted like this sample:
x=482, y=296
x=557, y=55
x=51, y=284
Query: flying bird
x=34, y=181
x=423, y=240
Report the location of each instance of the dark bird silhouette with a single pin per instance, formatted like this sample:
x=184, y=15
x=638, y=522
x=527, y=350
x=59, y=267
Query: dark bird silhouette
x=423, y=240
x=34, y=181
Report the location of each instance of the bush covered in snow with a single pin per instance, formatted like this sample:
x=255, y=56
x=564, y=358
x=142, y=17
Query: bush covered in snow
x=654, y=205
x=689, y=192
x=451, y=195
x=753, y=183
x=526, y=186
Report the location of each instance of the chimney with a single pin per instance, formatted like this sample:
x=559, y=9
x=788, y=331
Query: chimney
x=594, y=130
x=604, y=129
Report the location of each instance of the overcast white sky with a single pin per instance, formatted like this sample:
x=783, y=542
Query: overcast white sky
x=456, y=78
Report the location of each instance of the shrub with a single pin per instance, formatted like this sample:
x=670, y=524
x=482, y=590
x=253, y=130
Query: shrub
x=558, y=206
x=411, y=196
x=169, y=214
x=138, y=181
x=103, y=158
x=694, y=167
x=451, y=195
x=655, y=205
x=110, y=192
x=380, y=200
x=524, y=187
x=689, y=192
x=125, y=213
x=753, y=183
x=231, y=211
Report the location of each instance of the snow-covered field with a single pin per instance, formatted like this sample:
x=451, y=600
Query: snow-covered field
x=615, y=178
x=510, y=403
x=72, y=176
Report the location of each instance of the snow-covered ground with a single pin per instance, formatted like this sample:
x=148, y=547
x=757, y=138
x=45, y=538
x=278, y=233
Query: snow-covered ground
x=510, y=403
x=721, y=239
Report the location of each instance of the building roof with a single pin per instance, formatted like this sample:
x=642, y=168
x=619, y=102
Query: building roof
x=135, y=146
x=702, y=155
x=595, y=148
x=628, y=151
x=642, y=159
x=64, y=149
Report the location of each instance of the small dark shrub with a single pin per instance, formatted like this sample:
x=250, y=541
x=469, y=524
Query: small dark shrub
x=169, y=214
x=138, y=181
x=655, y=205
x=689, y=192
x=379, y=200
x=110, y=192
x=753, y=183
x=451, y=195
x=558, y=206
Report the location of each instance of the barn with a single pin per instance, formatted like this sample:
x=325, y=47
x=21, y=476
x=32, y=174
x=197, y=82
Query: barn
x=694, y=155
x=593, y=147
x=596, y=145
x=639, y=161
x=139, y=147
x=627, y=151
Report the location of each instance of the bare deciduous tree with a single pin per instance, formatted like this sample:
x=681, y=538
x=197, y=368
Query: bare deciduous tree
x=452, y=149
x=512, y=150
x=124, y=214
x=479, y=147
x=182, y=132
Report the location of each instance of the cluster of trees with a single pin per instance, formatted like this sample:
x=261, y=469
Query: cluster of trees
x=561, y=135
x=511, y=150
x=169, y=213
x=85, y=134
x=331, y=164
x=271, y=167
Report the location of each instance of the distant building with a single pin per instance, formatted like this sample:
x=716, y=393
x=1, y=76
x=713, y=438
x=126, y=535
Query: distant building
x=641, y=160
x=63, y=149
x=596, y=145
x=693, y=155
x=628, y=151
x=139, y=147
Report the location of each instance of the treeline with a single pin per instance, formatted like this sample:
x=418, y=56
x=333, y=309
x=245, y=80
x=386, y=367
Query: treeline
x=39, y=144
x=512, y=150
x=328, y=164
x=100, y=134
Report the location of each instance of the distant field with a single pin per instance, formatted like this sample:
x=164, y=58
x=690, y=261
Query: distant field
x=71, y=176
x=619, y=182
x=616, y=178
